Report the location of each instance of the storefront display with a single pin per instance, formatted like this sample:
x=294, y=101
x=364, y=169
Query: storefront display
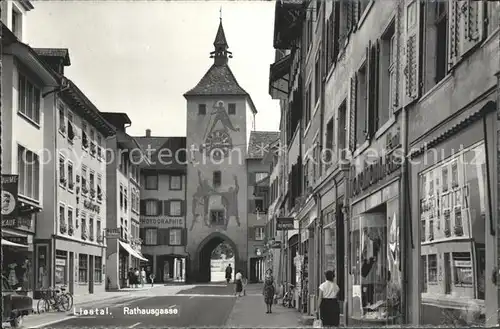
x=375, y=257
x=453, y=236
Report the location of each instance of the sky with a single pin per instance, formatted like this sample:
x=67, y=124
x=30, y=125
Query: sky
x=140, y=57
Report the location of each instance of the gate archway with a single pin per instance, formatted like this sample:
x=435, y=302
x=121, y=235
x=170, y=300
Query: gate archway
x=204, y=254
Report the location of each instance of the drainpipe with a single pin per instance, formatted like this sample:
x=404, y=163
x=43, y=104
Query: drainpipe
x=347, y=228
x=405, y=236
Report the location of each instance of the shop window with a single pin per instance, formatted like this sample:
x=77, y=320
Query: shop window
x=82, y=268
x=462, y=264
x=60, y=273
x=151, y=237
x=423, y=271
x=432, y=269
x=98, y=269
x=175, y=237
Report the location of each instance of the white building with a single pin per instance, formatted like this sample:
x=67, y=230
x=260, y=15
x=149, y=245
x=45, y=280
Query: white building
x=125, y=158
x=26, y=103
x=70, y=230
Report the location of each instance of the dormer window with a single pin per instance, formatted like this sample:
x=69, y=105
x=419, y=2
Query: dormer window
x=202, y=109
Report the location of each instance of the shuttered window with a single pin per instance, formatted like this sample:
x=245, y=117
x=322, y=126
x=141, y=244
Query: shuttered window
x=412, y=70
x=153, y=207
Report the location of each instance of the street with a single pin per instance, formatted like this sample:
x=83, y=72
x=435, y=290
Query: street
x=199, y=306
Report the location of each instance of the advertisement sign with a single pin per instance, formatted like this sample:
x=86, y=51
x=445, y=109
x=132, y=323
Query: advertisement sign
x=9, y=196
x=163, y=221
x=284, y=223
x=113, y=232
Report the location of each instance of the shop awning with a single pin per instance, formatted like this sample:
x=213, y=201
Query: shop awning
x=12, y=244
x=131, y=251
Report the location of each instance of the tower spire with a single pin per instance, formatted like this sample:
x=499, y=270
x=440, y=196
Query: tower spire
x=220, y=53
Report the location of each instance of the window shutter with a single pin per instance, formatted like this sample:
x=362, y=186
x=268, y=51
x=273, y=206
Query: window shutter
x=369, y=97
x=251, y=179
x=166, y=208
x=412, y=70
x=143, y=207
x=376, y=86
x=349, y=17
x=355, y=14
x=454, y=32
x=251, y=206
x=184, y=237
x=352, y=114
x=473, y=20
x=183, y=207
x=162, y=236
x=397, y=57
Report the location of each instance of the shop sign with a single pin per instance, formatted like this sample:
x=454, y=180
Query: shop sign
x=91, y=206
x=284, y=224
x=375, y=172
x=113, y=232
x=173, y=222
x=60, y=262
x=17, y=239
x=9, y=196
x=276, y=245
x=17, y=222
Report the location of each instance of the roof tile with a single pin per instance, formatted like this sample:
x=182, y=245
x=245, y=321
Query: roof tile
x=219, y=80
x=259, y=143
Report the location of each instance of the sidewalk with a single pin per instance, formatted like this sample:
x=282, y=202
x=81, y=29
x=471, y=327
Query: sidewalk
x=250, y=311
x=109, y=297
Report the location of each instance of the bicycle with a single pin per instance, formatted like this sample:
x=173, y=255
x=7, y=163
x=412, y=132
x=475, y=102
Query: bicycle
x=288, y=297
x=56, y=299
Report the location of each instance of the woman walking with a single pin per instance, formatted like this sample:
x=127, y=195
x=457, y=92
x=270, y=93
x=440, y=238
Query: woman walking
x=327, y=301
x=238, y=279
x=269, y=291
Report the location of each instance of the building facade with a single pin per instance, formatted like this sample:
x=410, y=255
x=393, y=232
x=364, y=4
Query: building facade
x=218, y=110
x=163, y=227
x=258, y=202
x=25, y=80
x=70, y=245
x=125, y=158
x=394, y=170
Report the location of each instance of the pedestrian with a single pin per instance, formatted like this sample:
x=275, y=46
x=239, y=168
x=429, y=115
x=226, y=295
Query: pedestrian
x=152, y=278
x=269, y=291
x=329, y=310
x=143, y=277
x=229, y=273
x=136, y=277
x=130, y=278
x=239, y=283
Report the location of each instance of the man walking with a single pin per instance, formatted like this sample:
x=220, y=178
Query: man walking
x=229, y=273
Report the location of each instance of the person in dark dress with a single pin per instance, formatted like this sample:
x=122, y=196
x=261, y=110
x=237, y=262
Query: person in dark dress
x=268, y=292
x=329, y=309
x=238, y=279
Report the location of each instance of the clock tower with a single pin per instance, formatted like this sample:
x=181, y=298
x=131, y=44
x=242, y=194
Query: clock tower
x=218, y=110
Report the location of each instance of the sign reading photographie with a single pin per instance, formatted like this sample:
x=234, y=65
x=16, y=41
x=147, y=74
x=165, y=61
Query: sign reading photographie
x=163, y=221
x=9, y=196
x=284, y=224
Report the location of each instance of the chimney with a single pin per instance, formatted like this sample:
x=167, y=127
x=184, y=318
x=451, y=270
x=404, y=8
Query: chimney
x=148, y=132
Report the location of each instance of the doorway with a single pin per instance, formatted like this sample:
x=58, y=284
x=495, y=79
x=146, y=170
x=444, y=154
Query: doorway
x=91, y=274
x=214, y=254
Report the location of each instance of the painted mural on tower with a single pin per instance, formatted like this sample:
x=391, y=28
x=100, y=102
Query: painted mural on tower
x=218, y=142
x=206, y=195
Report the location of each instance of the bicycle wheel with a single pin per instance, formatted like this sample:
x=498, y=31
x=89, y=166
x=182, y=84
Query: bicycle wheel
x=64, y=303
x=42, y=306
x=70, y=298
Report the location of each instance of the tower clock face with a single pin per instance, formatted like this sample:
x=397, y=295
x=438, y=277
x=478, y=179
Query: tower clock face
x=218, y=144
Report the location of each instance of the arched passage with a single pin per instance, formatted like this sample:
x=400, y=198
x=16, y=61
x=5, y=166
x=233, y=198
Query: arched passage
x=204, y=254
